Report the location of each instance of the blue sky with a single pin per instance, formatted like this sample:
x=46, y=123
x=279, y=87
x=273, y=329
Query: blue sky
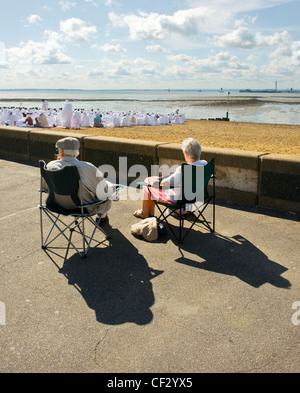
x=176, y=44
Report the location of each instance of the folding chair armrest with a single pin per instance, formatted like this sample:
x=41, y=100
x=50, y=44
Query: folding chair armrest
x=115, y=195
x=157, y=187
x=118, y=189
x=111, y=197
x=142, y=183
x=93, y=204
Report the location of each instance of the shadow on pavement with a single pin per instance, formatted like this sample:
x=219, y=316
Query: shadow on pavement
x=234, y=256
x=115, y=281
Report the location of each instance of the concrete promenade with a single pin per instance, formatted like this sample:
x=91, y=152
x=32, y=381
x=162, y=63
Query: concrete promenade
x=219, y=303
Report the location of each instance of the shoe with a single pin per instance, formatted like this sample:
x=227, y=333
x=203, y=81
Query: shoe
x=139, y=214
x=104, y=219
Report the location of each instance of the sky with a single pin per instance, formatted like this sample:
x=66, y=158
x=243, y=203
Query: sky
x=157, y=44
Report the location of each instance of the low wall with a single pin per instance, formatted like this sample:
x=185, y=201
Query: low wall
x=110, y=151
x=14, y=143
x=280, y=182
x=252, y=178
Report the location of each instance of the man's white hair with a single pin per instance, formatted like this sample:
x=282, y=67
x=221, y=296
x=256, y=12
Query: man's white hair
x=71, y=153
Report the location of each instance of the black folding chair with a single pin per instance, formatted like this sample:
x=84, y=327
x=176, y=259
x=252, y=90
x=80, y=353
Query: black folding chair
x=191, y=205
x=64, y=200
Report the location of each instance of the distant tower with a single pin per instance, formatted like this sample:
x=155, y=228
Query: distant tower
x=276, y=85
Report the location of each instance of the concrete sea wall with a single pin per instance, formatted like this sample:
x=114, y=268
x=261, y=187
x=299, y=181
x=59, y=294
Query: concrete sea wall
x=247, y=177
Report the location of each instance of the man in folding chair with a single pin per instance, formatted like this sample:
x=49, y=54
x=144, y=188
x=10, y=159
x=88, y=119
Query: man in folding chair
x=94, y=193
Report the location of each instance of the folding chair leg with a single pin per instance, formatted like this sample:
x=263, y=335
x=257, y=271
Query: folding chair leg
x=100, y=228
x=69, y=242
x=83, y=237
x=162, y=214
x=41, y=227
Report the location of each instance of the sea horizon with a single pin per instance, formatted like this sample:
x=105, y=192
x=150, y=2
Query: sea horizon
x=290, y=90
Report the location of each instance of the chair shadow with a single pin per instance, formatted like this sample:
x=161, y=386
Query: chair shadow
x=115, y=281
x=232, y=256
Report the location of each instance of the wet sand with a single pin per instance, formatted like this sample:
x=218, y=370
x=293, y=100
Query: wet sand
x=260, y=137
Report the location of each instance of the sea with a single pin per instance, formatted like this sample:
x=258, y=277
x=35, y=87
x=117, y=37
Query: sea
x=276, y=107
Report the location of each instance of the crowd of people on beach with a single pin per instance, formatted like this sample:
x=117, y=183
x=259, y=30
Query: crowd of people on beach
x=67, y=117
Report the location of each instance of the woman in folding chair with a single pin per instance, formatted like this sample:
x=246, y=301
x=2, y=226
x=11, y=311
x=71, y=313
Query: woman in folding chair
x=192, y=152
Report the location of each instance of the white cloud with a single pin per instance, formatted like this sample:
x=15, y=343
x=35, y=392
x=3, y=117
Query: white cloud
x=252, y=58
x=108, y=3
x=66, y=5
x=212, y=64
x=186, y=23
x=279, y=67
x=34, y=19
x=76, y=30
x=245, y=21
x=277, y=39
x=92, y=2
x=240, y=38
x=236, y=6
x=156, y=49
x=39, y=53
x=138, y=67
x=243, y=38
x=112, y=48
x=2, y=54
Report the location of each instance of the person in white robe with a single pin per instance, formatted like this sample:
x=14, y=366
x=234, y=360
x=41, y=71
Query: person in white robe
x=133, y=119
x=76, y=120
x=114, y=121
x=163, y=120
x=155, y=119
x=51, y=118
x=59, y=119
x=149, y=120
x=66, y=115
x=42, y=121
x=91, y=116
x=85, y=120
x=105, y=118
x=11, y=119
x=45, y=105
x=3, y=116
x=141, y=120
x=125, y=121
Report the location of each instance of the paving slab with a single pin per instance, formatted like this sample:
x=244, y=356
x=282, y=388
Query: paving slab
x=223, y=302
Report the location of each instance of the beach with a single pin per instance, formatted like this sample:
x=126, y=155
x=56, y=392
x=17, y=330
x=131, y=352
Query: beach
x=261, y=122
x=259, y=137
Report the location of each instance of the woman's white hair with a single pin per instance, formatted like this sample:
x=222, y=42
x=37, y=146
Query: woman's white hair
x=192, y=148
